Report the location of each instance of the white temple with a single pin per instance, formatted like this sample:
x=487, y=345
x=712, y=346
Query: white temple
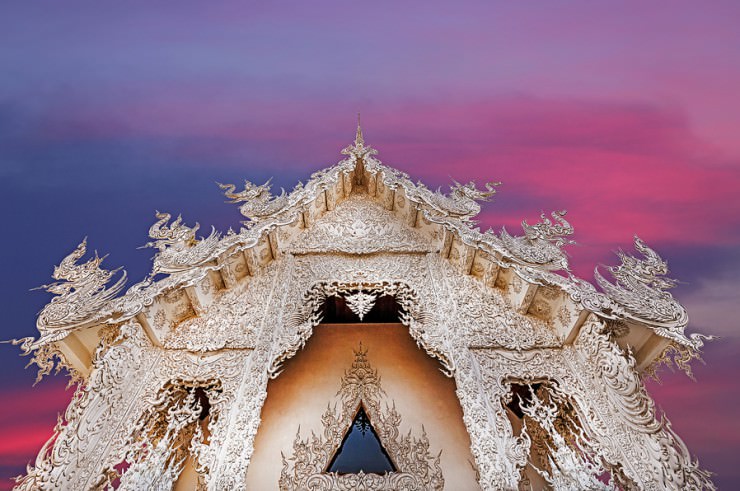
x=360, y=332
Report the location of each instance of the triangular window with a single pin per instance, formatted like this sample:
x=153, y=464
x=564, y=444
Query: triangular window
x=361, y=450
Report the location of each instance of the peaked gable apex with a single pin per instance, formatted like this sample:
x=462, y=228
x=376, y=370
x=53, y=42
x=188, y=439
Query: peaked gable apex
x=361, y=225
x=361, y=206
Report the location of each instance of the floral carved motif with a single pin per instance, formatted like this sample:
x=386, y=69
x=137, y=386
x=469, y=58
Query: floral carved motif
x=359, y=225
x=230, y=309
x=416, y=468
x=360, y=303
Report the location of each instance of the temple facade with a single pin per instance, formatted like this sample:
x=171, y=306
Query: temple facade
x=359, y=332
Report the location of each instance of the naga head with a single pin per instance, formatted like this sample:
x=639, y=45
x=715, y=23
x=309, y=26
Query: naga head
x=470, y=191
x=251, y=192
x=650, y=271
x=547, y=230
x=257, y=202
x=169, y=235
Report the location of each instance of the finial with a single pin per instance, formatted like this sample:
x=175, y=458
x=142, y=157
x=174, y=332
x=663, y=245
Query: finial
x=359, y=140
x=357, y=149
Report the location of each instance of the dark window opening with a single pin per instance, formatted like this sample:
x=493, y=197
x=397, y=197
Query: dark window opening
x=361, y=450
x=521, y=395
x=202, y=397
x=385, y=310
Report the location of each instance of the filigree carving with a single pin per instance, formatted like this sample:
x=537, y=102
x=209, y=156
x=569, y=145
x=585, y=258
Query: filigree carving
x=162, y=440
x=568, y=466
x=48, y=358
x=669, y=464
x=81, y=293
x=178, y=248
x=359, y=225
x=360, y=303
x=542, y=243
x=308, y=315
x=231, y=309
x=360, y=386
x=674, y=355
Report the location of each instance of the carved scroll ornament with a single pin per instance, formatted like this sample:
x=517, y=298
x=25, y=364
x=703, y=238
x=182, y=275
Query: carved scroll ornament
x=542, y=243
x=360, y=385
x=178, y=248
x=81, y=294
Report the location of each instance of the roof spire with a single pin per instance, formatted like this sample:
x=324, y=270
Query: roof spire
x=358, y=150
x=359, y=140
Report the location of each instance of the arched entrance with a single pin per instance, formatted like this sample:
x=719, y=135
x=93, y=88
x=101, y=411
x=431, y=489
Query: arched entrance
x=412, y=405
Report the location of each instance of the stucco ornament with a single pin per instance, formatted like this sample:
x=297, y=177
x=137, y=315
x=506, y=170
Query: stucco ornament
x=416, y=468
x=360, y=303
x=542, y=243
x=641, y=286
x=82, y=292
x=495, y=311
x=178, y=248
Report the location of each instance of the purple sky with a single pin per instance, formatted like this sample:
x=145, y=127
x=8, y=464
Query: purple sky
x=626, y=115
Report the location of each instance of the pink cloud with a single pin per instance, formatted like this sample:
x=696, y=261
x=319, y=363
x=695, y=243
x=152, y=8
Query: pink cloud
x=620, y=168
x=34, y=414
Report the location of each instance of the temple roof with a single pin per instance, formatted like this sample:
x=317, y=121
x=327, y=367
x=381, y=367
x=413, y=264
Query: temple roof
x=384, y=206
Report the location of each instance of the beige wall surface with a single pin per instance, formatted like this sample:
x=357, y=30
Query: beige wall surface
x=409, y=377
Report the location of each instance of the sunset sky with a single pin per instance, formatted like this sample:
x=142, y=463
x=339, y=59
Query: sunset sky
x=625, y=114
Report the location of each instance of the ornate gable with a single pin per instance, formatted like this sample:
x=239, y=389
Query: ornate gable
x=219, y=315
x=360, y=225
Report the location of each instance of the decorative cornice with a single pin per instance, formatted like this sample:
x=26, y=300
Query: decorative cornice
x=638, y=293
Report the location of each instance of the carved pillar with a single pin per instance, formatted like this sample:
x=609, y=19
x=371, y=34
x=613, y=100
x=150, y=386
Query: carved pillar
x=645, y=448
x=90, y=438
x=243, y=417
x=498, y=454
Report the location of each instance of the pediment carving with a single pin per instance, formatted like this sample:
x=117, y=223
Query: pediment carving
x=232, y=308
x=417, y=468
x=360, y=225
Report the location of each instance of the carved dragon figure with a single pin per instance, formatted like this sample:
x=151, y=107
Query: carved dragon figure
x=81, y=293
x=542, y=242
x=171, y=235
x=257, y=201
x=640, y=287
x=462, y=202
x=178, y=247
